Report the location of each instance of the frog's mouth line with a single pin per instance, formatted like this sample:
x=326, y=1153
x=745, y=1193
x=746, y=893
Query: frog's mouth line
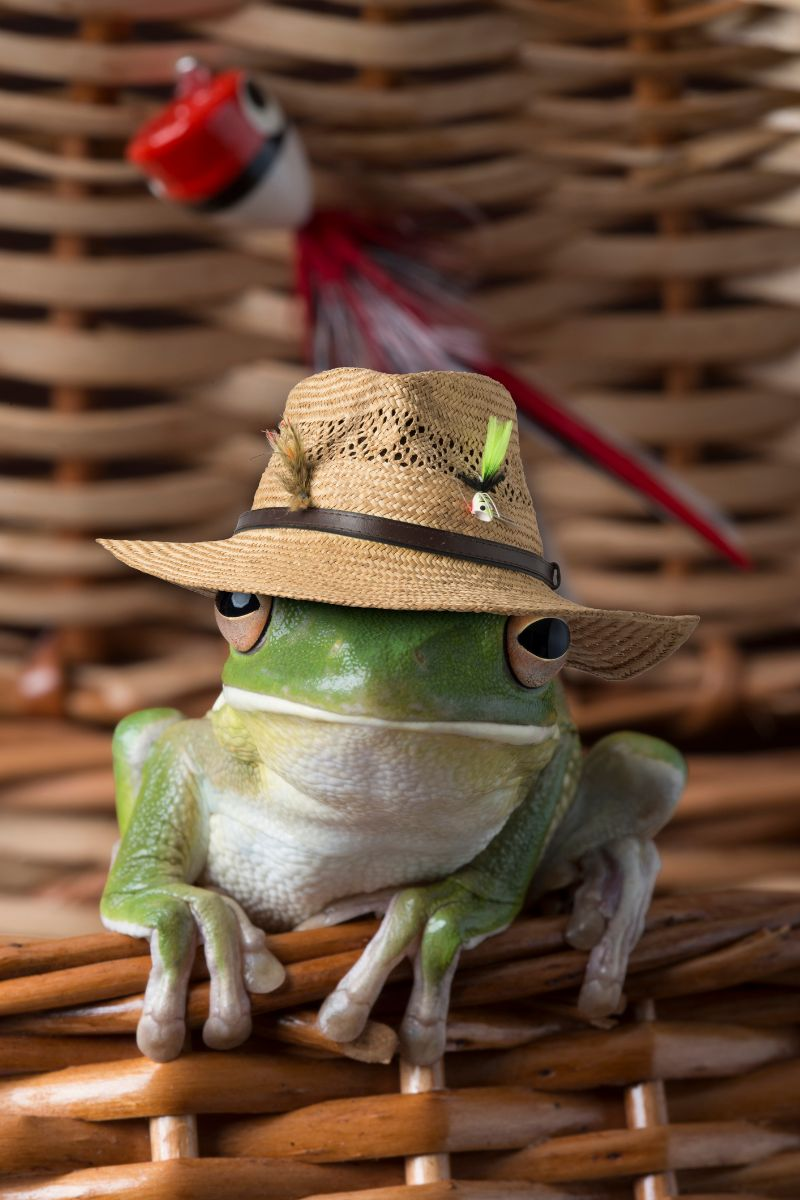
x=515, y=735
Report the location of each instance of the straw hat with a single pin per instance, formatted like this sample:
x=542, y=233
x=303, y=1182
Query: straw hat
x=386, y=521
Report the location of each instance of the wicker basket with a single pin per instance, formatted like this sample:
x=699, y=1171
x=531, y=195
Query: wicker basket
x=105, y=347
x=692, y=1092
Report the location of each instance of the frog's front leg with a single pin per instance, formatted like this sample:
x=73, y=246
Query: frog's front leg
x=150, y=893
x=432, y=924
x=630, y=784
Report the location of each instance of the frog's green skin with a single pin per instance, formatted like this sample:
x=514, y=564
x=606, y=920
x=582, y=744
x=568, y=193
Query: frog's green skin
x=389, y=753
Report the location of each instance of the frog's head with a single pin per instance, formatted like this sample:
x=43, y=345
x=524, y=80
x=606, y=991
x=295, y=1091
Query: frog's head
x=407, y=666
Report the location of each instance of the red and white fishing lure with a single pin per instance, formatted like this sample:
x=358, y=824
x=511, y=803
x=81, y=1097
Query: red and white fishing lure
x=224, y=147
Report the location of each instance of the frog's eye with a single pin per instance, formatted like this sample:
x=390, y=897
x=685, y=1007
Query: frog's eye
x=264, y=113
x=242, y=618
x=536, y=649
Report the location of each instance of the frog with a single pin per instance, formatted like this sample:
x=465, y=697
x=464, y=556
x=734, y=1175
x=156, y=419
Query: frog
x=418, y=766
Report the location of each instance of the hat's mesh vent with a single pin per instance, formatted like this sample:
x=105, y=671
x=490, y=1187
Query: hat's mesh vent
x=393, y=436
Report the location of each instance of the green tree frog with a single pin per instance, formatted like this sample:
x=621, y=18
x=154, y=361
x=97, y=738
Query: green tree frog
x=419, y=765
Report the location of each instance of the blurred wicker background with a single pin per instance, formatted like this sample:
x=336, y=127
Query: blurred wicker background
x=625, y=181
x=672, y=315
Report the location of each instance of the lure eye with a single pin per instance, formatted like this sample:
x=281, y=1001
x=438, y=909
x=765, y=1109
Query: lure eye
x=536, y=649
x=264, y=112
x=242, y=618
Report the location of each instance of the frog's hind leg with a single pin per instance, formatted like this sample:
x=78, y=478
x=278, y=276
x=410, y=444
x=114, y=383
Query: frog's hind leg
x=133, y=739
x=630, y=784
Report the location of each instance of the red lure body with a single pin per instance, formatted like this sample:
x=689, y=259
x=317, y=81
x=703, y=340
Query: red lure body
x=223, y=146
x=199, y=143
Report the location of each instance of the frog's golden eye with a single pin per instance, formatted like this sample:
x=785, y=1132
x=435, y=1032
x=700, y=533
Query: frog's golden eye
x=536, y=648
x=242, y=618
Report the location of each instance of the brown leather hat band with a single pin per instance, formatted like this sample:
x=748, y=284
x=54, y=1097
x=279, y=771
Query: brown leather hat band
x=403, y=533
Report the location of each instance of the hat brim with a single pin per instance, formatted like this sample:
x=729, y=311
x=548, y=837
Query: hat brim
x=330, y=569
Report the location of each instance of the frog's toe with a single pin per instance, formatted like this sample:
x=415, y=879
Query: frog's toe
x=262, y=971
x=160, y=1040
x=229, y=1022
x=345, y=1013
x=161, y=1030
x=585, y=929
x=344, y=1016
x=590, y=907
x=600, y=998
x=423, y=1033
x=422, y=1042
x=619, y=888
x=225, y=1029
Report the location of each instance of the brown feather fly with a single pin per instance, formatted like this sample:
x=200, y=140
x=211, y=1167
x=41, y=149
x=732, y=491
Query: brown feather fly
x=295, y=473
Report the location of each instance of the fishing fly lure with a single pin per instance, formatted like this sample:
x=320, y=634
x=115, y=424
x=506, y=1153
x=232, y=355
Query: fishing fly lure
x=483, y=504
x=295, y=473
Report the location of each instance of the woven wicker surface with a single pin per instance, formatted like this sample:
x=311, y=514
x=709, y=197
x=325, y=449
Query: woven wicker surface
x=674, y=315
x=105, y=342
x=692, y=1092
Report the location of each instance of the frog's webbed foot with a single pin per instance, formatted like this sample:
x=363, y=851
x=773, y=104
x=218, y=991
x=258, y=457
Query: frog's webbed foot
x=175, y=916
x=630, y=785
x=429, y=925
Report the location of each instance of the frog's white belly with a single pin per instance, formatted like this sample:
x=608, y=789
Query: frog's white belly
x=283, y=871
x=343, y=811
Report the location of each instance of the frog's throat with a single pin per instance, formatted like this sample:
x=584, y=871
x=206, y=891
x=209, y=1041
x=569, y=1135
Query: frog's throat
x=515, y=735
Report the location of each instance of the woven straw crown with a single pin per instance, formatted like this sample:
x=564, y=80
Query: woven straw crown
x=395, y=446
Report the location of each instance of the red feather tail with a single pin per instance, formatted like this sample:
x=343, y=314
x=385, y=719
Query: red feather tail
x=369, y=302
